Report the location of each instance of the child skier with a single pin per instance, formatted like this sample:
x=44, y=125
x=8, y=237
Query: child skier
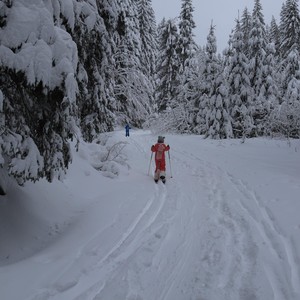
x=160, y=162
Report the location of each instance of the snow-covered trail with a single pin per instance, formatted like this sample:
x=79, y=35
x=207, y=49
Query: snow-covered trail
x=243, y=254
x=204, y=235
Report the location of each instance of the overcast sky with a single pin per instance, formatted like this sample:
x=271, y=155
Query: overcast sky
x=222, y=12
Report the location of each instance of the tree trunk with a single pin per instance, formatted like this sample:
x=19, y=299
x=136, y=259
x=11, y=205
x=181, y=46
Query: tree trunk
x=2, y=193
x=3, y=182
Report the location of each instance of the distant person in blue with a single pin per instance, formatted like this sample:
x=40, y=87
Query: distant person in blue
x=127, y=127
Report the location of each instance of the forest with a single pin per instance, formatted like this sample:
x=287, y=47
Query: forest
x=73, y=69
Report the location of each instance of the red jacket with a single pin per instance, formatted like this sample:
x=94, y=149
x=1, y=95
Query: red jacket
x=160, y=150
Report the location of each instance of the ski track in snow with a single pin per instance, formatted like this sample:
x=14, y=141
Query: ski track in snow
x=284, y=275
x=192, y=240
x=226, y=245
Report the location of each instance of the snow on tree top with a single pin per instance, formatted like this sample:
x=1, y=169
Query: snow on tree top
x=33, y=44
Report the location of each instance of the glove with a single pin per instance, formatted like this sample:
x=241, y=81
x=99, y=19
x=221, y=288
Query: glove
x=169, y=146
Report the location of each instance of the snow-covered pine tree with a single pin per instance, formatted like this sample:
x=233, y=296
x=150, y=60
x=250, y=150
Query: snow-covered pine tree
x=186, y=44
x=204, y=88
x=257, y=34
x=183, y=106
x=148, y=35
x=131, y=84
x=218, y=122
x=167, y=66
x=186, y=50
x=258, y=45
x=281, y=22
x=289, y=28
x=159, y=29
x=227, y=54
x=240, y=91
x=197, y=122
x=246, y=25
x=286, y=119
x=38, y=62
x=270, y=87
x=94, y=26
x=274, y=36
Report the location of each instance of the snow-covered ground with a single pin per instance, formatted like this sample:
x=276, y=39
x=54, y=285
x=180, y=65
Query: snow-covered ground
x=226, y=226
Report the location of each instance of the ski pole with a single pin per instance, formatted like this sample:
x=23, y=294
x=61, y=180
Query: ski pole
x=150, y=163
x=170, y=164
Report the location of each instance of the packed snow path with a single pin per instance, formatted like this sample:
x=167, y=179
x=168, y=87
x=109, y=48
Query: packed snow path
x=206, y=235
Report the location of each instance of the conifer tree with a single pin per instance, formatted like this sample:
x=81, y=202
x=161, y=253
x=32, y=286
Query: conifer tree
x=286, y=119
x=274, y=36
x=148, y=36
x=239, y=88
x=218, y=123
x=270, y=88
x=167, y=64
x=246, y=25
x=202, y=103
x=186, y=44
x=281, y=22
x=290, y=28
x=186, y=50
x=131, y=84
x=38, y=94
x=183, y=104
x=96, y=50
x=194, y=78
x=258, y=45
